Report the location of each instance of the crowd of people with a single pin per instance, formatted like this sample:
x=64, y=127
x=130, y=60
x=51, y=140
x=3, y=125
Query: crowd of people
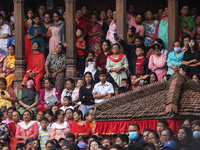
x=60, y=115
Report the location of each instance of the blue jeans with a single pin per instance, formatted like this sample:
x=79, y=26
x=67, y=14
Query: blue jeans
x=81, y=62
x=4, y=52
x=85, y=108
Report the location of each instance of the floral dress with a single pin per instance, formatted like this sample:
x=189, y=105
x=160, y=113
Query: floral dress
x=54, y=40
x=110, y=34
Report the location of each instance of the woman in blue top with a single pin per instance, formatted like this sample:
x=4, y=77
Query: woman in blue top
x=175, y=58
x=37, y=33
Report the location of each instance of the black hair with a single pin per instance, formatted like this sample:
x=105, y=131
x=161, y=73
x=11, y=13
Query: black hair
x=177, y=41
x=156, y=46
x=81, y=29
x=41, y=5
x=27, y=111
x=95, y=140
x=94, y=13
x=163, y=121
x=141, y=38
x=109, y=9
x=102, y=147
x=131, y=4
x=135, y=124
x=124, y=79
x=38, y=112
x=79, y=112
x=134, y=75
x=141, y=47
x=61, y=45
x=151, y=11
x=189, y=120
x=147, y=80
x=118, y=147
x=72, y=146
x=123, y=137
x=49, y=141
x=56, y=12
x=196, y=52
x=134, y=146
x=93, y=136
x=122, y=90
x=197, y=75
x=30, y=9
x=49, y=112
x=55, y=141
x=50, y=81
x=169, y=130
x=44, y=119
x=155, y=133
x=71, y=135
x=187, y=36
x=86, y=115
x=12, y=46
x=12, y=108
x=185, y=69
x=133, y=29
x=147, y=129
x=189, y=135
x=107, y=42
x=92, y=81
x=160, y=41
x=1, y=15
x=37, y=43
x=68, y=97
x=140, y=14
x=183, y=5
x=17, y=112
x=39, y=147
x=7, y=15
x=80, y=139
x=20, y=146
x=61, y=140
x=116, y=44
x=71, y=81
x=185, y=145
x=167, y=76
x=35, y=16
x=3, y=80
x=32, y=114
x=58, y=112
x=90, y=51
x=47, y=13
x=61, y=4
x=69, y=109
x=83, y=6
x=103, y=72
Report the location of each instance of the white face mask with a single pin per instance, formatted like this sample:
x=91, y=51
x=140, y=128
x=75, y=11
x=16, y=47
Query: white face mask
x=177, y=49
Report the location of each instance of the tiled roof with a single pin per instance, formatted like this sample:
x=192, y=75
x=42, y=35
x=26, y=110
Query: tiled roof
x=176, y=98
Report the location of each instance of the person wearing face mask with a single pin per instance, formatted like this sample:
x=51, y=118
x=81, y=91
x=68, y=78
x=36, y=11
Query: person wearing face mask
x=196, y=133
x=60, y=8
x=175, y=58
x=134, y=134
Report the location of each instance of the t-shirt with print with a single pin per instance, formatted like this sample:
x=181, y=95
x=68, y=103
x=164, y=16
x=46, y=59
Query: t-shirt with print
x=5, y=29
x=140, y=66
x=32, y=31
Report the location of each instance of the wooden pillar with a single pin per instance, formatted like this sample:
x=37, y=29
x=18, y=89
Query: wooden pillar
x=172, y=23
x=20, y=61
x=70, y=8
x=121, y=18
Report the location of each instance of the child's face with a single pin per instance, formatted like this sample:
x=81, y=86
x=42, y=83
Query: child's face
x=197, y=20
x=160, y=127
x=11, y=50
x=13, y=32
x=133, y=78
x=130, y=33
x=44, y=124
x=35, y=46
x=89, y=118
x=90, y=55
x=91, y=111
x=37, y=20
x=49, y=117
x=157, y=52
x=79, y=33
x=186, y=41
x=30, y=14
x=103, y=78
x=139, y=52
x=66, y=102
x=124, y=84
x=79, y=83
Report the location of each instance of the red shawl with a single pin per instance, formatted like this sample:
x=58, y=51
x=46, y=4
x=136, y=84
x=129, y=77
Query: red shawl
x=81, y=24
x=118, y=59
x=12, y=129
x=76, y=128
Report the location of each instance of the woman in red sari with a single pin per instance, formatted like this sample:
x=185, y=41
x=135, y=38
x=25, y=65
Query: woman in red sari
x=80, y=128
x=95, y=33
x=35, y=66
x=80, y=22
x=12, y=130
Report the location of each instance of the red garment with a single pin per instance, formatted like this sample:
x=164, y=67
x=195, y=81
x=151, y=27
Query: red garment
x=41, y=107
x=12, y=95
x=86, y=18
x=81, y=24
x=81, y=47
x=100, y=60
x=76, y=128
x=27, y=42
x=140, y=66
x=150, y=52
x=12, y=130
x=118, y=59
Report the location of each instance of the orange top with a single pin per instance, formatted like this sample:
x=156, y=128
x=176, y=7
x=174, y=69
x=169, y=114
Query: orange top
x=81, y=47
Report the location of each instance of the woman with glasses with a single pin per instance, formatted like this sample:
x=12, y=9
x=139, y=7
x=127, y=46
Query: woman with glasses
x=60, y=128
x=166, y=135
x=153, y=137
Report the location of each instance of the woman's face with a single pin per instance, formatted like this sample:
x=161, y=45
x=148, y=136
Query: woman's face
x=30, y=14
x=155, y=42
x=76, y=116
x=35, y=46
x=105, y=47
x=102, y=15
x=4, y=15
x=10, y=112
x=2, y=86
x=152, y=78
x=61, y=117
x=79, y=14
x=182, y=135
x=106, y=142
x=11, y=50
x=54, y=108
x=94, y=145
x=197, y=20
x=133, y=78
x=27, y=116
x=177, y=45
x=186, y=123
x=47, y=18
x=149, y=15
x=115, y=49
x=49, y=117
x=166, y=12
x=114, y=14
x=109, y=14
x=191, y=44
x=47, y=85
x=39, y=116
x=64, y=16
x=69, y=114
x=195, y=79
x=49, y=145
x=157, y=52
x=185, y=10
x=152, y=138
x=56, y=17
x=35, y=144
x=84, y=10
x=15, y=116
x=88, y=78
x=69, y=85
x=138, y=19
x=165, y=136
x=93, y=19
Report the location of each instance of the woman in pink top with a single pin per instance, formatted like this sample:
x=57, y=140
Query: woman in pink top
x=157, y=62
x=27, y=129
x=69, y=116
x=137, y=23
x=60, y=128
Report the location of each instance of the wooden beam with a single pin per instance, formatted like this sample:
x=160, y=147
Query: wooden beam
x=172, y=23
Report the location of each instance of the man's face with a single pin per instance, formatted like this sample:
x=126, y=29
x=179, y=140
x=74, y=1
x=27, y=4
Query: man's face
x=133, y=129
x=119, y=142
x=138, y=42
x=145, y=137
x=59, y=49
x=42, y=10
x=103, y=78
x=160, y=127
x=70, y=140
x=182, y=72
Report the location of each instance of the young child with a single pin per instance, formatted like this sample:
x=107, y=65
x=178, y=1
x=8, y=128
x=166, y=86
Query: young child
x=80, y=51
x=141, y=64
x=37, y=33
x=130, y=35
x=122, y=90
x=124, y=83
x=66, y=103
x=60, y=141
x=161, y=124
x=79, y=83
x=186, y=40
x=89, y=119
x=197, y=28
x=90, y=63
x=44, y=134
x=11, y=40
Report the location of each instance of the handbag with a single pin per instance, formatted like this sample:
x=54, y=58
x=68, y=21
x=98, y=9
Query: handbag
x=51, y=100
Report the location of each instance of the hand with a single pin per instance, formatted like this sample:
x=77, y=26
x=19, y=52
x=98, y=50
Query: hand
x=40, y=32
x=65, y=44
x=92, y=101
x=105, y=94
x=99, y=68
x=31, y=74
x=195, y=61
x=81, y=39
x=25, y=138
x=54, y=75
x=145, y=76
x=87, y=59
x=47, y=75
x=94, y=59
x=46, y=107
x=77, y=44
x=36, y=33
x=28, y=146
x=4, y=97
x=117, y=70
x=28, y=107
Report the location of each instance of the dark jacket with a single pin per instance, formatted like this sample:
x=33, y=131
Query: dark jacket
x=139, y=141
x=133, y=66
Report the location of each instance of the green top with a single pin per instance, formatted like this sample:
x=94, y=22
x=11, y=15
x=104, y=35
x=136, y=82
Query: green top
x=187, y=24
x=163, y=32
x=19, y=97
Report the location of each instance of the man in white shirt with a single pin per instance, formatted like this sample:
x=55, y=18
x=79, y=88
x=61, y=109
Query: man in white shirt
x=4, y=36
x=102, y=90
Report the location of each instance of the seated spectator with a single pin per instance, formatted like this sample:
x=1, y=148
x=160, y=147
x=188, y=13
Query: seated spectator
x=196, y=78
x=157, y=62
x=10, y=112
x=94, y=144
x=122, y=140
x=187, y=22
x=67, y=100
x=4, y=34
x=2, y=57
x=170, y=145
x=175, y=58
x=35, y=66
x=107, y=143
x=11, y=40
x=145, y=134
x=154, y=138
x=112, y=30
x=54, y=109
x=102, y=21
x=55, y=66
x=149, y=146
x=91, y=138
x=134, y=134
x=137, y=23
x=12, y=129
x=117, y=64
x=150, y=27
x=185, y=71
x=49, y=96
x=4, y=129
x=186, y=40
x=9, y=66
x=80, y=128
x=85, y=94
x=166, y=77
x=49, y=115
x=102, y=90
x=49, y=144
x=89, y=118
x=95, y=33
x=80, y=50
x=26, y=130
x=184, y=136
x=191, y=58
x=125, y=83
x=20, y=146
x=56, y=32
x=130, y=38
x=28, y=98
x=187, y=123
x=60, y=128
x=161, y=124
x=9, y=98
x=69, y=116
x=166, y=135
x=79, y=83
x=134, y=85
x=37, y=33
x=90, y=63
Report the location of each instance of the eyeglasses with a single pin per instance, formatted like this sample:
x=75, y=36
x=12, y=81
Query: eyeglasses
x=151, y=138
x=190, y=42
x=165, y=135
